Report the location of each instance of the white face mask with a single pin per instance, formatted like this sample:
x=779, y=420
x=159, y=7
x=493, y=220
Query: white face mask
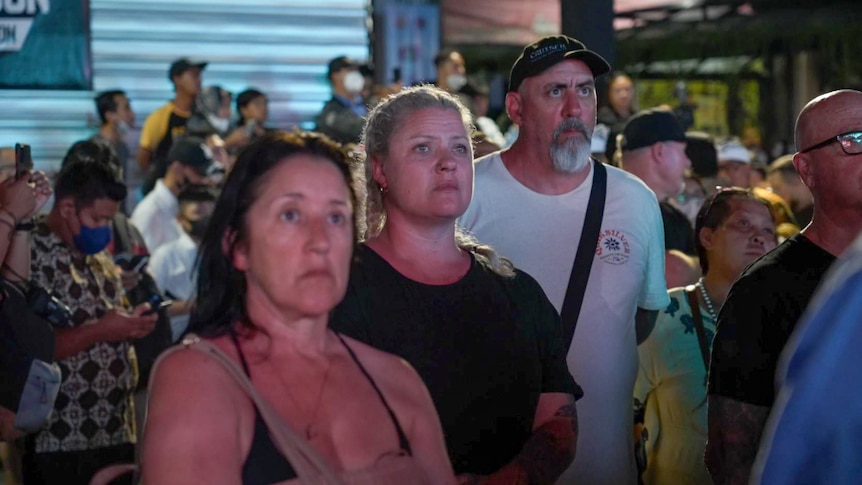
x=456, y=81
x=220, y=124
x=354, y=82
x=122, y=127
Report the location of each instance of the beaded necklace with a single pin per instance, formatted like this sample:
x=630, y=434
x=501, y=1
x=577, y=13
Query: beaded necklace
x=709, y=306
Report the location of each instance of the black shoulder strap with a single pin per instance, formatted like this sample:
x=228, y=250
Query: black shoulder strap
x=698, y=324
x=586, y=252
x=402, y=437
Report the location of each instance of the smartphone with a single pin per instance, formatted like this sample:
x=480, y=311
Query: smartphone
x=161, y=306
x=157, y=304
x=23, y=160
x=396, y=75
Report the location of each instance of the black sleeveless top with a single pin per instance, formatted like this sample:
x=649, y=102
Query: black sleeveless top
x=264, y=464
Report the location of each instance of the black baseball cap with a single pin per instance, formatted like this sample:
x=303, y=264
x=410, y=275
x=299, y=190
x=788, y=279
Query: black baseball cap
x=193, y=152
x=179, y=66
x=650, y=127
x=339, y=63
x=545, y=53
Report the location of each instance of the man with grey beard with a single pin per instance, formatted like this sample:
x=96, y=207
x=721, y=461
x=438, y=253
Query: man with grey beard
x=530, y=202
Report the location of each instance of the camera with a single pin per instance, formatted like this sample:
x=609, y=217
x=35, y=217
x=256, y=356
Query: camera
x=48, y=306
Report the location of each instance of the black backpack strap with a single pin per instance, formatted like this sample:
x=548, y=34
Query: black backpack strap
x=586, y=252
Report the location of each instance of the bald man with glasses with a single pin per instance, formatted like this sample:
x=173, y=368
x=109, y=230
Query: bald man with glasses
x=766, y=302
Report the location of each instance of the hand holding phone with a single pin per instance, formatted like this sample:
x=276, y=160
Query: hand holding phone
x=157, y=304
x=23, y=160
x=396, y=75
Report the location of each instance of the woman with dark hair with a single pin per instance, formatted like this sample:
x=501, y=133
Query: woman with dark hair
x=253, y=109
x=265, y=392
x=483, y=335
x=619, y=108
x=732, y=229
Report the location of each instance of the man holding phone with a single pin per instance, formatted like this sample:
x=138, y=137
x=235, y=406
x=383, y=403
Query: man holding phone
x=92, y=425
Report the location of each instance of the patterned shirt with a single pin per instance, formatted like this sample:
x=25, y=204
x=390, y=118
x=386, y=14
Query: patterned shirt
x=94, y=408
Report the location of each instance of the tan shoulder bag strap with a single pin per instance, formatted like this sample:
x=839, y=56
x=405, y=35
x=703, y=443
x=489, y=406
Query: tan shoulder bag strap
x=309, y=465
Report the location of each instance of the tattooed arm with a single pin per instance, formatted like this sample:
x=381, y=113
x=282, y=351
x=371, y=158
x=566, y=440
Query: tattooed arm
x=734, y=437
x=548, y=452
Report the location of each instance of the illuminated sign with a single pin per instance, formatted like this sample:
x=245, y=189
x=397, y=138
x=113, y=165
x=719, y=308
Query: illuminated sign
x=16, y=18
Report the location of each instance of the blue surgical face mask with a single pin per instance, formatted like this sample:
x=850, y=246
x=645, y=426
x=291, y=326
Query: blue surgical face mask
x=91, y=240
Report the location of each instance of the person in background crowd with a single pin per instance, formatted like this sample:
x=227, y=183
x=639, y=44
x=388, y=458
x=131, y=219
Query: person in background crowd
x=342, y=116
x=733, y=229
x=93, y=423
x=784, y=181
x=173, y=264
x=757, y=176
x=530, y=203
x=620, y=107
x=734, y=165
x=785, y=223
x=29, y=380
x=117, y=117
x=451, y=71
x=767, y=300
x=127, y=246
x=489, y=137
x=252, y=107
x=274, y=262
x=653, y=149
x=482, y=335
x=211, y=115
x=817, y=395
x=191, y=163
x=168, y=122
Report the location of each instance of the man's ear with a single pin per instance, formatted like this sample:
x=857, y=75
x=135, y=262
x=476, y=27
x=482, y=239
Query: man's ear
x=513, y=107
x=805, y=169
x=657, y=152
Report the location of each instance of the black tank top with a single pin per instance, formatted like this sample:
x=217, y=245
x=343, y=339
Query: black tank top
x=264, y=464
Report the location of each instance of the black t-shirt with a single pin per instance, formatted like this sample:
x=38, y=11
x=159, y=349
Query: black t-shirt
x=485, y=346
x=678, y=233
x=761, y=311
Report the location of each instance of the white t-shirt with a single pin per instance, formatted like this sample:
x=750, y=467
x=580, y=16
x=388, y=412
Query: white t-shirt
x=172, y=266
x=540, y=234
x=156, y=217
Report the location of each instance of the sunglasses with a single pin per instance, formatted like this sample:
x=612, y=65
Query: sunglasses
x=851, y=143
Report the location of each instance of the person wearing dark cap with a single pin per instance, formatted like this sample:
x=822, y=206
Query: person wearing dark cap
x=653, y=149
x=173, y=264
x=342, y=116
x=190, y=163
x=530, y=203
x=163, y=125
